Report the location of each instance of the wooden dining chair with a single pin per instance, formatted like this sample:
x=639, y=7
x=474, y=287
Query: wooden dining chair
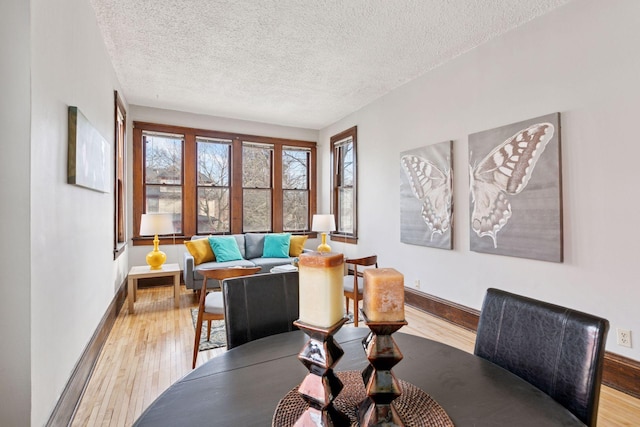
x=558, y=350
x=211, y=304
x=354, y=285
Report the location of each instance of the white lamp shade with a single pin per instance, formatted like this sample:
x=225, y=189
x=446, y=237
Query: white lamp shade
x=156, y=223
x=323, y=223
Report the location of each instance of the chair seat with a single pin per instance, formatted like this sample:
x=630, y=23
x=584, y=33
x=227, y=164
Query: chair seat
x=214, y=303
x=348, y=284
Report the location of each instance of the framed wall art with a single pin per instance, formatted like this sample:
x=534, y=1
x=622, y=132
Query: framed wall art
x=89, y=154
x=516, y=191
x=426, y=202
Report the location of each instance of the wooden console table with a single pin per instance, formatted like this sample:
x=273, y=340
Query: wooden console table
x=144, y=271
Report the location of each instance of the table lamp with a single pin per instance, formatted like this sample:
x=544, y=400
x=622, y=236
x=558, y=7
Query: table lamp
x=154, y=224
x=323, y=223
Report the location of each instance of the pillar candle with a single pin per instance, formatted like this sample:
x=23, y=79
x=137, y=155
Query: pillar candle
x=321, y=292
x=383, y=295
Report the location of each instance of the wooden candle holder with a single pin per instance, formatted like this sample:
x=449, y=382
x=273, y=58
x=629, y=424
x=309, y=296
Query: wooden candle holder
x=380, y=383
x=321, y=386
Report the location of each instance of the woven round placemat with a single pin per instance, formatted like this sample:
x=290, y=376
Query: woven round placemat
x=415, y=407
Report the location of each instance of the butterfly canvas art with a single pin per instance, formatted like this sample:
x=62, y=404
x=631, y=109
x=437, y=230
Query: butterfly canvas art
x=515, y=190
x=426, y=196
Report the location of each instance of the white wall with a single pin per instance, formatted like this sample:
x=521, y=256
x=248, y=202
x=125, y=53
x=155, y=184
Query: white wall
x=73, y=274
x=581, y=60
x=154, y=115
x=15, y=310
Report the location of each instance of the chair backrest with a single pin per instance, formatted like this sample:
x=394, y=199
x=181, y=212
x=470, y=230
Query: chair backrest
x=558, y=350
x=363, y=261
x=260, y=305
x=367, y=261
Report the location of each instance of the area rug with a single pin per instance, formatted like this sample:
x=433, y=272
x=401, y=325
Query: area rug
x=218, y=334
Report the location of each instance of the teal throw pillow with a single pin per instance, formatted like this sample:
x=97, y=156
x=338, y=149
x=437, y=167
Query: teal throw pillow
x=276, y=245
x=225, y=248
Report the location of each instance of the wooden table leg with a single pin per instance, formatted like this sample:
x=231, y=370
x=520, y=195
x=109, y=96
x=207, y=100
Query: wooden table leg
x=132, y=293
x=176, y=290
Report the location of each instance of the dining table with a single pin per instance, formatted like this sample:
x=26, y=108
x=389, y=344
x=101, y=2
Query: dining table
x=244, y=386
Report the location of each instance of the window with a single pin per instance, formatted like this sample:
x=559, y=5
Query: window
x=295, y=188
x=214, y=180
x=222, y=183
x=163, y=175
x=119, y=195
x=257, y=190
x=344, y=180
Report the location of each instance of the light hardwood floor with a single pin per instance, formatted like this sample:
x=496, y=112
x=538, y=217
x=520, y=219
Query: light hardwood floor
x=149, y=350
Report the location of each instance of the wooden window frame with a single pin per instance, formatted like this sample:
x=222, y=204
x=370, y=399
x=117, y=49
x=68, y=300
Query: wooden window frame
x=271, y=189
x=189, y=181
x=335, y=181
x=228, y=143
x=280, y=185
x=119, y=177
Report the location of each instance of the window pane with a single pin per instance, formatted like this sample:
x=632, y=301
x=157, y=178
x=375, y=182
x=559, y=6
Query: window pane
x=295, y=210
x=256, y=166
x=343, y=183
x=213, y=210
x=345, y=219
x=347, y=164
x=256, y=210
x=163, y=159
x=295, y=166
x=165, y=199
x=120, y=190
x=213, y=162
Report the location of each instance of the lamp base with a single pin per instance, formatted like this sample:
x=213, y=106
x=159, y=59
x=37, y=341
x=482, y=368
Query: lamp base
x=323, y=247
x=156, y=258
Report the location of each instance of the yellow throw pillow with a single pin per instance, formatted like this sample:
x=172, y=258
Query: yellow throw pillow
x=200, y=250
x=296, y=245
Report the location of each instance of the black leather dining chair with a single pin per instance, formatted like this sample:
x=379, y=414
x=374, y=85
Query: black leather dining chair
x=557, y=349
x=259, y=306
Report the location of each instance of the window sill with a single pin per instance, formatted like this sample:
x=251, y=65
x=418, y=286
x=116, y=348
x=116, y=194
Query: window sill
x=179, y=238
x=344, y=238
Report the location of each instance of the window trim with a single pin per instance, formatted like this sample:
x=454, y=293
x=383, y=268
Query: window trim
x=281, y=189
x=190, y=183
x=119, y=171
x=228, y=143
x=336, y=235
x=270, y=189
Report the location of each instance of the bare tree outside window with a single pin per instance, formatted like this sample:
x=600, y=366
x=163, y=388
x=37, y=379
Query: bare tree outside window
x=163, y=178
x=220, y=182
x=213, y=159
x=344, y=180
x=295, y=189
x=257, y=187
x=345, y=186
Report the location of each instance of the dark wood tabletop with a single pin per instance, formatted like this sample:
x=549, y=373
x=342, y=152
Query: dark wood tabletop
x=243, y=386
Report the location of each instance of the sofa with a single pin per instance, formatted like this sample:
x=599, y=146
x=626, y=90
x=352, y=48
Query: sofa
x=251, y=247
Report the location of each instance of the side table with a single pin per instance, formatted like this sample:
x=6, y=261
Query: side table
x=144, y=271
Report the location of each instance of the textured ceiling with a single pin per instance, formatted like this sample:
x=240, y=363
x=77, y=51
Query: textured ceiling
x=291, y=62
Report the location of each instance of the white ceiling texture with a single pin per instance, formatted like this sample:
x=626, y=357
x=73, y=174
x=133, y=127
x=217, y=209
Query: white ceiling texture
x=303, y=63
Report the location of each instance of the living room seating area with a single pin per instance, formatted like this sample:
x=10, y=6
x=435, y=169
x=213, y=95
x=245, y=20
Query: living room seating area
x=264, y=250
